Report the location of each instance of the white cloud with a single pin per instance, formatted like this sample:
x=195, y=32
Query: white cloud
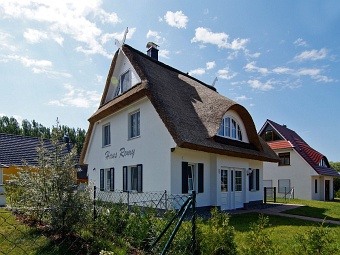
x=226, y=74
x=77, y=98
x=251, y=67
x=4, y=42
x=204, y=35
x=176, y=19
x=283, y=70
x=210, y=65
x=198, y=71
x=119, y=36
x=37, y=66
x=163, y=53
x=242, y=98
x=300, y=42
x=34, y=36
x=157, y=38
x=311, y=55
x=256, y=84
x=313, y=73
x=76, y=19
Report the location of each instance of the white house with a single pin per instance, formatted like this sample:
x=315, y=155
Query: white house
x=159, y=129
x=300, y=168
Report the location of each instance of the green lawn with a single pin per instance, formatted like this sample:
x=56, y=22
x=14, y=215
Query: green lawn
x=16, y=238
x=329, y=210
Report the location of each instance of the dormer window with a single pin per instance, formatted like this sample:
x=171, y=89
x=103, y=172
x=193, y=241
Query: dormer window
x=230, y=128
x=323, y=163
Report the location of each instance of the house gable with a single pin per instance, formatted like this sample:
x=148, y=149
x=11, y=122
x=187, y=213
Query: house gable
x=191, y=110
x=122, y=76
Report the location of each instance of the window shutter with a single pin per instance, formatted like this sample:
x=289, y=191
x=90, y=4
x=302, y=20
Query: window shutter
x=251, y=182
x=140, y=178
x=112, y=179
x=101, y=177
x=200, y=178
x=184, y=177
x=257, y=179
x=232, y=180
x=125, y=178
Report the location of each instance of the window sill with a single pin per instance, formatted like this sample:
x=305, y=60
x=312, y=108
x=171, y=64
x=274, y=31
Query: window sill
x=284, y=165
x=104, y=146
x=132, y=138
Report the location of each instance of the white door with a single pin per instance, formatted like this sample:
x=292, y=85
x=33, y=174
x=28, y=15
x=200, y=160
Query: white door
x=239, y=202
x=224, y=190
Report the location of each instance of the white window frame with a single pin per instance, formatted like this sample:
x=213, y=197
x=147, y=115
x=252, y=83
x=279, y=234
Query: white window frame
x=106, y=137
x=106, y=179
x=230, y=128
x=134, y=124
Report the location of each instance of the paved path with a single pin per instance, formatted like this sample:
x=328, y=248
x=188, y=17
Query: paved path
x=279, y=209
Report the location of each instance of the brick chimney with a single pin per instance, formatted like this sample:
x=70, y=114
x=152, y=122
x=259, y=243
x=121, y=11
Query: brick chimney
x=152, y=50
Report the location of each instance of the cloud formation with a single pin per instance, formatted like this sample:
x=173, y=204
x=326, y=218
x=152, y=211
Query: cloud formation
x=311, y=55
x=176, y=19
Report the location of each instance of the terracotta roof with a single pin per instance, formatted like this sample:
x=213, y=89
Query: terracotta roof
x=281, y=144
x=191, y=110
x=15, y=149
x=311, y=156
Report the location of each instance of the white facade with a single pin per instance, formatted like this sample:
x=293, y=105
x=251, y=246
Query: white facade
x=162, y=161
x=307, y=183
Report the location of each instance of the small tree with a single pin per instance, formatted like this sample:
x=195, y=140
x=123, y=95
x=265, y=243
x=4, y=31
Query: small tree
x=47, y=190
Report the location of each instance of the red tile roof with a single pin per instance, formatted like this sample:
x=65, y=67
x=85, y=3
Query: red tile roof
x=311, y=156
x=281, y=144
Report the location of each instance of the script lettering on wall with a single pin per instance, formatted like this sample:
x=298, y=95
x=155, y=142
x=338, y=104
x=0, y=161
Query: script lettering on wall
x=122, y=153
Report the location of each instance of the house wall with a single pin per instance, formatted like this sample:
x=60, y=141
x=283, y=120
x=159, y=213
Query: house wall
x=298, y=172
x=212, y=176
x=151, y=149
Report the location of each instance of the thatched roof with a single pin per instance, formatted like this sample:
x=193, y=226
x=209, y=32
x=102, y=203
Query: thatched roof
x=191, y=110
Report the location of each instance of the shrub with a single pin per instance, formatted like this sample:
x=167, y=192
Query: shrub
x=316, y=240
x=258, y=238
x=218, y=238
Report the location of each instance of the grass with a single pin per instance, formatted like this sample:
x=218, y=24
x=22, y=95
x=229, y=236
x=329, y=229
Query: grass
x=329, y=210
x=16, y=238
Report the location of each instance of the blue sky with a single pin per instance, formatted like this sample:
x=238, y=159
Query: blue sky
x=280, y=59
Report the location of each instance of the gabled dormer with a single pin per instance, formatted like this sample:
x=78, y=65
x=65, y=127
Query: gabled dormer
x=122, y=76
x=270, y=134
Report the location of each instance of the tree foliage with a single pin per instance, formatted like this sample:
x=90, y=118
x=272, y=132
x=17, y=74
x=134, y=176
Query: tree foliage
x=336, y=166
x=46, y=192
x=35, y=129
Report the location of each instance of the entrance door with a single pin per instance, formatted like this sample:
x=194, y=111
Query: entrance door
x=327, y=184
x=224, y=190
x=238, y=189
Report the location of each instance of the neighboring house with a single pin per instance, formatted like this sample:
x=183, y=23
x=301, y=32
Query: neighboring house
x=159, y=129
x=2, y=191
x=300, y=167
x=15, y=150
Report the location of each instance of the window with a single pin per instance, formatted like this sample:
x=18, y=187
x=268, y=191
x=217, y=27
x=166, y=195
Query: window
x=192, y=177
x=1, y=181
x=270, y=135
x=230, y=128
x=315, y=186
x=323, y=163
x=134, y=125
x=238, y=180
x=284, y=159
x=107, y=179
x=224, y=180
x=106, y=135
x=123, y=85
x=254, y=179
x=125, y=81
x=284, y=186
x=133, y=178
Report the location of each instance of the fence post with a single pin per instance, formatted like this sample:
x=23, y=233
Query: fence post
x=166, y=200
x=128, y=200
x=274, y=194
x=193, y=222
x=265, y=195
x=94, y=203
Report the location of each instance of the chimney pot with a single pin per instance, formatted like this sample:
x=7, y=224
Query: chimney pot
x=152, y=50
